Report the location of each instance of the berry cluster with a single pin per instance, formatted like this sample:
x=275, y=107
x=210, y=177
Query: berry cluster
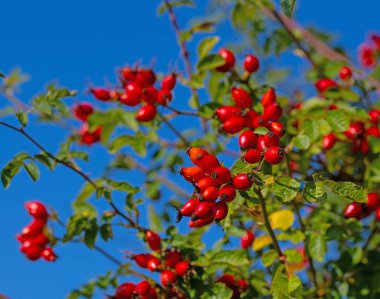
x=251, y=63
x=238, y=286
x=324, y=84
x=129, y=290
x=357, y=134
x=369, y=51
x=82, y=111
x=137, y=87
x=32, y=238
x=361, y=210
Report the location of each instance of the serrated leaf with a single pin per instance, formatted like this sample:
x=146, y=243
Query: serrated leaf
x=295, y=236
x=208, y=110
x=22, y=118
x=280, y=284
x=206, y=45
x=123, y=186
x=302, y=141
x=260, y=242
x=285, y=188
x=282, y=219
x=32, y=170
x=269, y=257
x=261, y=131
x=216, y=291
x=338, y=120
x=317, y=246
x=314, y=192
x=210, y=62
x=295, y=285
x=44, y=159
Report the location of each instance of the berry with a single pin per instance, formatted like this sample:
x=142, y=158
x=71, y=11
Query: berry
x=345, y=73
x=269, y=97
x=125, y=291
x=203, y=210
x=373, y=201
x=88, y=137
x=247, y=240
x=221, y=175
x=274, y=155
x=228, y=280
x=243, y=285
x=182, y=268
x=247, y=140
x=153, y=263
x=201, y=222
x=227, y=193
x=143, y=288
x=241, y=97
x=229, y=60
x=196, y=154
x=252, y=156
x=142, y=259
x=208, y=163
x=154, y=240
x=277, y=128
x=164, y=97
x=210, y=194
x=249, y=117
x=145, y=77
x=374, y=116
x=259, y=121
x=377, y=214
x=41, y=240
x=220, y=211
x=101, y=94
x=367, y=56
x=168, y=82
x=260, y=143
x=33, y=252
x=328, y=141
x=242, y=182
x=251, y=63
x=82, y=111
x=206, y=182
x=128, y=74
x=225, y=112
x=364, y=146
x=34, y=229
x=192, y=174
x=146, y=113
x=272, y=112
x=188, y=208
x=373, y=131
x=271, y=139
x=234, y=125
x=355, y=129
x=353, y=210
x=168, y=278
x=150, y=95
x=172, y=258
x=48, y=255
x=324, y=84
x=36, y=209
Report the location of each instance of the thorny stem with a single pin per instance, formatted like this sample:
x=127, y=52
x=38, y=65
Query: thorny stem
x=70, y=166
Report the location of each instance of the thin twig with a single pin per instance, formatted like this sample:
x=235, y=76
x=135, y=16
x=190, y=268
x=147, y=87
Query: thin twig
x=179, y=112
x=174, y=130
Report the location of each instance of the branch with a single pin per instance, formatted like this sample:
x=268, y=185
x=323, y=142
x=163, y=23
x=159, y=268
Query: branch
x=70, y=166
x=174, y=130
x=179, y=112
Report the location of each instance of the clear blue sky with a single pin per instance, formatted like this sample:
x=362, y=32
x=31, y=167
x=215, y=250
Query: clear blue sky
x=77, y=42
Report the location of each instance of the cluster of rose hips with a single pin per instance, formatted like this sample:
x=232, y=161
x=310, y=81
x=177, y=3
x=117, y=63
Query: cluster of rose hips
x=369, y=51
x=82, y=111
x=138, y=88
x=238, y=286
x=361, y=210
x=357, y=134
x=32, y=238
x=129, y=290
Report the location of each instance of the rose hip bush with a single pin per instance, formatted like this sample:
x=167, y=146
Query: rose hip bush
x=289, y=181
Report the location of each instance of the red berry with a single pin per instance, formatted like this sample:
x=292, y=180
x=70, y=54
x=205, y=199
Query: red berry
x=208, y=163
x=271, y=139
x=353, y=210
x=125, y=291
x=25, y=245
x=374, y=116
x=260, y=144
x=234, y=125
x=243, y=285
x=172, y=258
x=324, y=84
x=272, y=112
x=150, y=95
x=82, y=111
x=247, y=240
x=34, y=229
x=251, y=63
x=249, y=117
x=153, y=263
x=225, y=112
x=227, y=193
x=373, y=201
x=277, y=128
x=189, y=207
x=247, y=140
x=128, y=74
x=259, y=121
x=142, y=259
x=377, y=214
x=168, y=82
x=242, y=182
x=145, y=78
x=192, y=174
x=364, y=146
x=196, y=154
x=164, y=97
x=48, y=255
x=36, y=209
x=355, y=129
x=210, y=194
x=101, y=94
x=274, y=155
x=229, y=59
x=345, y=73
x=269, y=97
x=33, y=252
x=206, y=182
x=146, y=113
x=221, y=175
x=154, y=240
x=373, y=131
x=40, y=240
x=228, y=280
x=241, y=97
x=328, y=141
x=201, y=222
x=182, y=268
x=168, y=278
x=252, y=156
x=220, y=211
x=143, y=288
x=203, y=210
x=88, y=137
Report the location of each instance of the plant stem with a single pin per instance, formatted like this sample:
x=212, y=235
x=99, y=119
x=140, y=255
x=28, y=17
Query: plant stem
x=174, y=130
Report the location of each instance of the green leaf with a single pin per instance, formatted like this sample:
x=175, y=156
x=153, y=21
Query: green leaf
x=176, y=3
x=269, y=257
x=314, y=192
x=285, y=188
x=32, y=170
x=210, y=62
x=154, y=220
x=22, y=118
x=317, y=246
x=45, y=159
x=261, y=131
x=106, y=231
x=288, y=7
x=338, y=120
x=295, y=285
x=280, y=285
x=136, y=142
x=232, y=258
x=206, y=45
x=216, y=291
x=91, y=233
x=350, y=95
x=208, y=110
x=123, y=186
x=294, y=236
x=302, y=141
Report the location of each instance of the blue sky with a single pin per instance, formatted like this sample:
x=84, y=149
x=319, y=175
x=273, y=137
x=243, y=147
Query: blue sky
x=78, y=42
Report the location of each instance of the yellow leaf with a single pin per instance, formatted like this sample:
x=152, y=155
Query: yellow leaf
x=281, y=219
x=260, y=242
